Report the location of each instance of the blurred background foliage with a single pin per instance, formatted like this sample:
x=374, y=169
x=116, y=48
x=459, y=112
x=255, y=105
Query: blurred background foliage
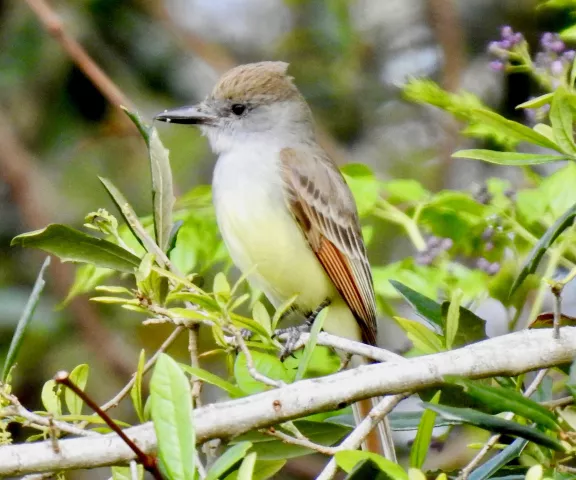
x=349, y=58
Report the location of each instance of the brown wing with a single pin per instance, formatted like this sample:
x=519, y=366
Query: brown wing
x=324, y=207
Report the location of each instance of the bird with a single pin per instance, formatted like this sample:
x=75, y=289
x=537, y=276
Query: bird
x=283, y=208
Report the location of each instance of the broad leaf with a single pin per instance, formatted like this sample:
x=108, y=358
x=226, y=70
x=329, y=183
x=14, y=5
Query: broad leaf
x=367, y=469
x=534, y=257
x=78, y=376
x=347, y=460
x=24, y=321
x=263, y=470
x=471, y=328
x=562, y=122
x=228, y=460
x=265, y=364
x=427, y=308
x=506, y=400
x=246, y=470
x=71, y=245
x=496, y=424
x=515, y=130
x=508, y=158
x=51, y=397
x=125, y=473
x=171, y=407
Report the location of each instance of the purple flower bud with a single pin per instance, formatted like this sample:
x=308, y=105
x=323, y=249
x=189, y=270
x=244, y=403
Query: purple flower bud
x=493, y=268
x=557, y=46
x=569, y=55
x=488, y=246
x=506, y=31
x=488, y=233
x=505, y=44
x=494, y=48
x=446, y=244
x=530, y=114
x=517, y=38
x=497, y=66
x=557, y=68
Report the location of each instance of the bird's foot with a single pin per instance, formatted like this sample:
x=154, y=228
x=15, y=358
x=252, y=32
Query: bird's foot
x=293, y=334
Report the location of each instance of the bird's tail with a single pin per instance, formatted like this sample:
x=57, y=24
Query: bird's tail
x=380, y=439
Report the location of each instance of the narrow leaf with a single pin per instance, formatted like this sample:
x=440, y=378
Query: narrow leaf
x=129, y=216
x=71, y=245
x=506, y=400
x=263, y=470
x=79, y=376
x=427, y=308
x=136, y=390
x=421, y=443
x=496, y=424
x=311, y=344
x=511, y=452
x=562, y=122
x=532, y=261
x=421, y=336
x=513, y=129
x=143, y=128
x=228, y=460
x=452, y=318
x=246, y=470
x=281, y=310
x=24, y=321
x=260, y=314
x=347, y=459
x=212, y=379
x=162, y=190
x=171, y=408
x=125, y=473
x=508, y=158
x=537, y=102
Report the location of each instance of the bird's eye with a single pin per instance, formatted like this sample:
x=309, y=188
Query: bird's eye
x=238, y=109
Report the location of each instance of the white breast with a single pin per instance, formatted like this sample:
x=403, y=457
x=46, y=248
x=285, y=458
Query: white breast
x=260, y=232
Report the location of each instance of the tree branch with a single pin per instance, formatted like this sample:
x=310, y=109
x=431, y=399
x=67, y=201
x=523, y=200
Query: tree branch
x=533, y=350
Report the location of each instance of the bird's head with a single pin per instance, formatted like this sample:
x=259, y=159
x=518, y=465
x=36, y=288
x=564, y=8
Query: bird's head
x=257, y=102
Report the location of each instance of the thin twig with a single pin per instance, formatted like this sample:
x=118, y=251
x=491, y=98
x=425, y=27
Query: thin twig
x=362, y=430
x=255, y=374
x=302, y=442
x=477, y=460
x=149, y=364
x=195, y=382
x=560, y=402
x=17, y=410
x=200, y=466
x=79, y=56
x=148, y=461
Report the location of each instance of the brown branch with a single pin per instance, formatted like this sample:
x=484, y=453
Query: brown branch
x=54, y=26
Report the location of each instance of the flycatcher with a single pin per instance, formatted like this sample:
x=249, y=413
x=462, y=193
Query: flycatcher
x=283, y=208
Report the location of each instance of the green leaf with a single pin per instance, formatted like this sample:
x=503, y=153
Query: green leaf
x=367, y=469
x=488, y=469
x=421, y=336
x=212, y=379
x=537, y=102
x=162, y=190
x=249, y=324
x=405, y=190
x=136, y=390
x=51, y=397
x=281, y=310
x=260, y=314
x=508, y=158
x=515, y=130
x=171, y=407
x=532, y=261
x=71, y=245
x=266, y=364
x=263, y=470
x=143, y=128
x=562, y=122
x=410, y=421
x=507, y=400
x=421, y=444
x=246, y=470
x=452, y=318
x=228, y=460
x=221, y=286
x=471, y=328
x=125, y=473
x=496, y=424
x=24, y=321
x=347, y=460
x=79, y=376
x=363, y=185
x=85, y=280
x=311, y=343
x=129, y=215
x=427, y=308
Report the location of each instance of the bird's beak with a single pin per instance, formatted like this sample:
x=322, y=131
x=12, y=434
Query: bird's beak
x=187, y=116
